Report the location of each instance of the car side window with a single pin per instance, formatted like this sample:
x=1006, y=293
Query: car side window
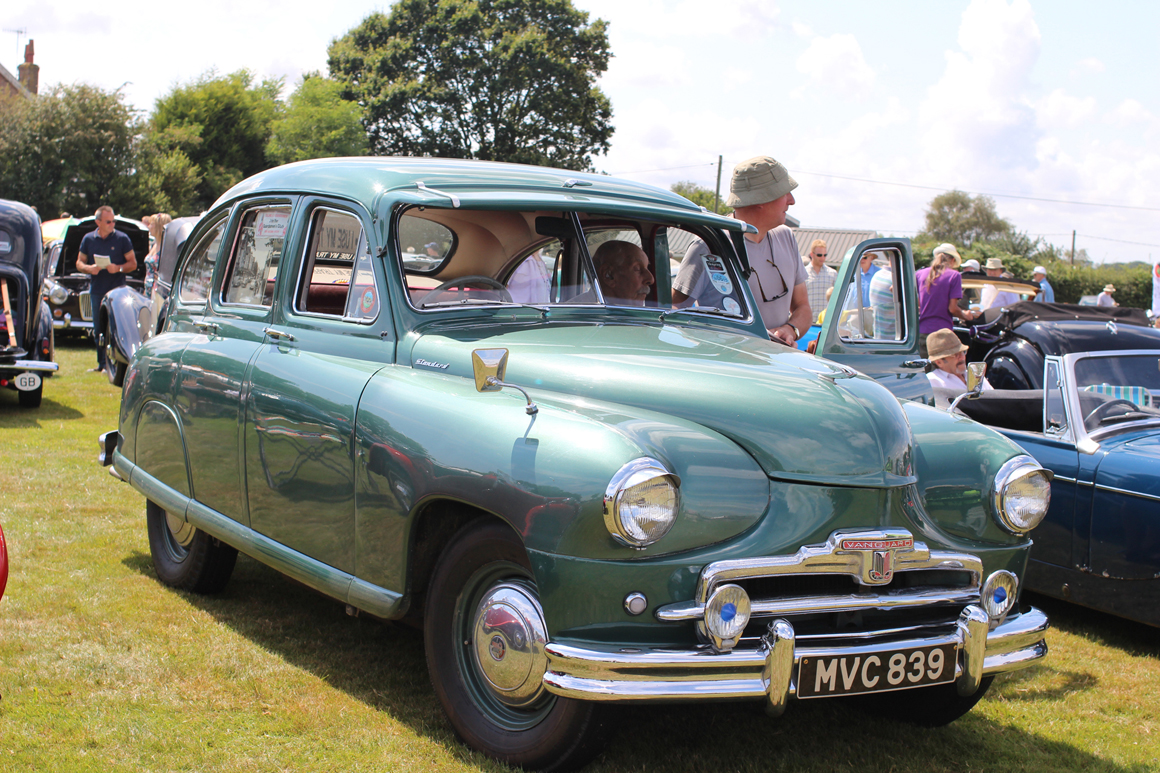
x=256, y=255
x=337, y=276
x=871, y=307
x=198, y=273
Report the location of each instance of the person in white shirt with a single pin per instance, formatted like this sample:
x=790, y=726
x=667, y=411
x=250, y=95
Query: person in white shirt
x=949, y=356
x=1105, y=298
x=991, y=297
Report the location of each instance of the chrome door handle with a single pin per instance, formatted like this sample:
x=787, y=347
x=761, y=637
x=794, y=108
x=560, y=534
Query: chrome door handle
x=916, y=364
x=207, y=327
x=282, y=335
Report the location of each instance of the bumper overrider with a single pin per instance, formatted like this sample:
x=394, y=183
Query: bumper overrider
x=925, y=633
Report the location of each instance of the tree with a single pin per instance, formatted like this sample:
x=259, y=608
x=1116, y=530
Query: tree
x=70, y=149
x=505, y=80
x=961, y=219
x=230, y=116
x=701, y=196
x=317, y=123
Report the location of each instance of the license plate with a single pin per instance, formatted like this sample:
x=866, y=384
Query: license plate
x=876, y=671
x=27, y=382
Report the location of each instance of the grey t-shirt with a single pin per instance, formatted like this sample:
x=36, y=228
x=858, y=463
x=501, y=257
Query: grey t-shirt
x=703, y=278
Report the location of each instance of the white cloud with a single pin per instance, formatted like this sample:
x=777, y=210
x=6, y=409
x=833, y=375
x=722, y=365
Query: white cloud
x=1061, y=109
x=1090, y=64
x=647, y=65
x=1130, y=112
x=836, y=64
x=668, y=19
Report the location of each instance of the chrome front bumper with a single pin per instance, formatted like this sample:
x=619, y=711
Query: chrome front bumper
x=769, y=670
x=24, y=366
x=68, y=323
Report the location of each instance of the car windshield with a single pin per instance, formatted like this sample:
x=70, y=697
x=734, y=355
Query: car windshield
x=1114, y=390
x=464, y=258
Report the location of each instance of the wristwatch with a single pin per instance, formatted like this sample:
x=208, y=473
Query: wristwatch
x=797, y=334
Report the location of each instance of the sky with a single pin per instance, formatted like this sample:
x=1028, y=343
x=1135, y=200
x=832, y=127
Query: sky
x=1051, y=108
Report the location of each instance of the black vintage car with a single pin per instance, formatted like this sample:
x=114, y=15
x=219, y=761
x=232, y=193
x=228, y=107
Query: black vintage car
x=26, y=343
x=67, y=290
x=1014, y=341
x=128, y=316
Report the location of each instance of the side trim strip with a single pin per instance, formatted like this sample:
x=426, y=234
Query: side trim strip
x=313, y=573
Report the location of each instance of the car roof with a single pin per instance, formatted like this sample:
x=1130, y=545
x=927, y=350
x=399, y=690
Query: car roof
x=447, y=181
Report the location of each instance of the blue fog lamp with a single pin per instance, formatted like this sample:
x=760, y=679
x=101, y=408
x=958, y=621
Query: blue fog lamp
x=726, y=616
x=999, y=593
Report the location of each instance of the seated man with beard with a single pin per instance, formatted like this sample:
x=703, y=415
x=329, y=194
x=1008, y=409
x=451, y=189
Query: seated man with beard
x=949, y=356
x=622, y=271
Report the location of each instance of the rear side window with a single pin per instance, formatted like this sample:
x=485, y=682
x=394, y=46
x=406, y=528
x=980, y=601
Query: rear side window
x=195, y=280
x=257, y=253
x=337, y=272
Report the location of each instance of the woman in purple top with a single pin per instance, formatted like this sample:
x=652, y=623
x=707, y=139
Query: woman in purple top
x=939, y=290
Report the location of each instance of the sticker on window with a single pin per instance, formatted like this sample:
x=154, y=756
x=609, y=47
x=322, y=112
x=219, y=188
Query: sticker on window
x=731, y=306
x=272, y=224
x=368, y=301
x=718, y=276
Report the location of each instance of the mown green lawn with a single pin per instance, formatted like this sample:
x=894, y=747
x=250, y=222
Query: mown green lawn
x=104, y=669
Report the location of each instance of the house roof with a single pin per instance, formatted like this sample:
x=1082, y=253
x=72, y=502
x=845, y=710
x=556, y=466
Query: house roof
x=13, y=83
x=838, y=241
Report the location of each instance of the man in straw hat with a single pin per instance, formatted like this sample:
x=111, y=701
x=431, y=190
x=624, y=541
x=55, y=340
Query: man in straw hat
x=760, y=195
x=991, y=297
x=1105, y=298
x=949, y=356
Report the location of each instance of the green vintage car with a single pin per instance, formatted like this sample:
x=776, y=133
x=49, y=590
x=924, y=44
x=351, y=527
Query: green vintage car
x=402, y=383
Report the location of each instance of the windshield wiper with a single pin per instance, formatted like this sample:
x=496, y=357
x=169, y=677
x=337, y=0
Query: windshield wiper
x=700, y=310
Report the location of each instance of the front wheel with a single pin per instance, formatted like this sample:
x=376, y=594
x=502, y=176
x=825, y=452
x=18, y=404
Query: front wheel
x=485, y=637
x=113, y=369
x=184, y=556
x=927, y=706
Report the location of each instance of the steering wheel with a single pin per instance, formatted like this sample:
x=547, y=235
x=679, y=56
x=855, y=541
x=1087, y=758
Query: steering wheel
x=462, y=281
x=1104, y=409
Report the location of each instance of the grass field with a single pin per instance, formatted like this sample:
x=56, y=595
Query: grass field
x=102, y=668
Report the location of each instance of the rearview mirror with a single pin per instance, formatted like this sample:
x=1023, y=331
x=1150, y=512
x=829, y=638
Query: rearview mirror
x=490, y=366
x=975, y=373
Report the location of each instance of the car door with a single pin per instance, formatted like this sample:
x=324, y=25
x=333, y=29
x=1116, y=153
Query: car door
x=210, y=390
x=873, y=327
x=329, y=333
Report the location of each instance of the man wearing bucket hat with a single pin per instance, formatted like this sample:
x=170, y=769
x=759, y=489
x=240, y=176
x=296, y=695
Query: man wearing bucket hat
x=760, y=195
x=949, y=356
x=1046, y=294
x=1105, y=298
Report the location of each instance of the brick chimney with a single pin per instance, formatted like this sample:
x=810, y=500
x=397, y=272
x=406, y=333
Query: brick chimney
x=29, y=73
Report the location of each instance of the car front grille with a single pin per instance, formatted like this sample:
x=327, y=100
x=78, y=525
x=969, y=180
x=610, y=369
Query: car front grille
x=86, y=306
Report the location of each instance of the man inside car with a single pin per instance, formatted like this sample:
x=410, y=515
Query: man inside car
x=623, y=274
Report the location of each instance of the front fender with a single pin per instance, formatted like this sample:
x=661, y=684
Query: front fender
x=956, y=460
x=424, y=437
x=119, y=315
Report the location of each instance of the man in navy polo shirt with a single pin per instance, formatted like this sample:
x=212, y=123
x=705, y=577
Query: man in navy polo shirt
x=106, y=254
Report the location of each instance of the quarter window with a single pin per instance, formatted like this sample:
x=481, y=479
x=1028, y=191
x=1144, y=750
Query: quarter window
x=257, y=253
x=198, y=274
x=870, y=309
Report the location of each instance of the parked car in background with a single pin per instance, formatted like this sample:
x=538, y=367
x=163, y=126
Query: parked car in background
x=1096, y=425
x=28, y=348
x=128, y=316
x=67, y=290
x=584, y=500
x=1015, y=342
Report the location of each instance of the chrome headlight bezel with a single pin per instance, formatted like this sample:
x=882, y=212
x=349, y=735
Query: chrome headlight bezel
x=638, y=472
x=57, y=294
x=1015, y=471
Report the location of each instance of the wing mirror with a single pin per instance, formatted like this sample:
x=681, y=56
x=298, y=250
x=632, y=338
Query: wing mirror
x=976, y=371
x=489, y=367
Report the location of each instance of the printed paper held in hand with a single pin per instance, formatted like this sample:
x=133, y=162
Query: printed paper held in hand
x=102, y=261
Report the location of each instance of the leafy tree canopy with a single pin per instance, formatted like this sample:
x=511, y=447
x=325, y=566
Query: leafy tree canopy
x=962, y=219
x=70, y=149
x=229, y=116
x=317, y=123
x=701, y=196
x=504, y=80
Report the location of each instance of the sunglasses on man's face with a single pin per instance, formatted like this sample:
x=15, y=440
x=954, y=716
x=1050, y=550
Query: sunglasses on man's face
x=819, y=254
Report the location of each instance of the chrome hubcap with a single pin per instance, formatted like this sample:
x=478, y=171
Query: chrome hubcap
x=509, y=636
x=182, y=531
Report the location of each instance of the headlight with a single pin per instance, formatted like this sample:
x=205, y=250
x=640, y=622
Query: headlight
x=999, y=592
x=1022, y=494
x=640, y=503
x=57, y=294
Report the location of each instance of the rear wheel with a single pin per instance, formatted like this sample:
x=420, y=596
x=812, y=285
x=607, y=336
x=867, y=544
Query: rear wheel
x=186, y=557
x=485, y=637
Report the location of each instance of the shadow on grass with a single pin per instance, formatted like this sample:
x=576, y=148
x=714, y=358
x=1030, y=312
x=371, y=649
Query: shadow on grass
x=382, y=664
x=13, y=416
x=1126, y=635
